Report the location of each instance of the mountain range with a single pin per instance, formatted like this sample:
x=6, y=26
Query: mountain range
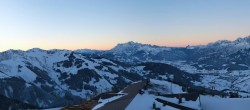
x=223, y=54
x=54, y=78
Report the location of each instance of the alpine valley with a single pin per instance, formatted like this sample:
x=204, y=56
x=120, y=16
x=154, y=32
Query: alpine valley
x=39, y=78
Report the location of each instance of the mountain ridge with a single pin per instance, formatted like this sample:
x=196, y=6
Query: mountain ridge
x=133, y=42
x=52, y=78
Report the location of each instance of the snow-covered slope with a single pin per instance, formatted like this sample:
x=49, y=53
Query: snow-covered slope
x=223, y=54
x=52, y=78
x=218, y=63
x=133, y=52
x=229, y=55
x=56, y=77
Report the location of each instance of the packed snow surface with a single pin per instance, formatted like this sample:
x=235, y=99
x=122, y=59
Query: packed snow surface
x=217, y=103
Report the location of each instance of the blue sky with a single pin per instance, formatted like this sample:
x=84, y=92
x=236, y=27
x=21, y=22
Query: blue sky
x=101, y=24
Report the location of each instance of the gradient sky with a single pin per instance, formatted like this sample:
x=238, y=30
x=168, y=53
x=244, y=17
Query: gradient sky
x=101, y=24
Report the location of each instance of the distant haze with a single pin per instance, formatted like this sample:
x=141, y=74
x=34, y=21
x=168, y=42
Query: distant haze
x=101, y=24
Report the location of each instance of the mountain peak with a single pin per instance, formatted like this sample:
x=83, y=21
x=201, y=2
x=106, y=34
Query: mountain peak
x=133, y=43
x=130, y=43
x=245, y=39
x=35, y=49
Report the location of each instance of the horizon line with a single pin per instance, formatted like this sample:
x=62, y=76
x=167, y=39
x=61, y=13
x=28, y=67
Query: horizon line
x=123, y=43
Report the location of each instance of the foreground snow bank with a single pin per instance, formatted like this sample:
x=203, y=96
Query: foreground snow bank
x=217, y=103
x=145, y=102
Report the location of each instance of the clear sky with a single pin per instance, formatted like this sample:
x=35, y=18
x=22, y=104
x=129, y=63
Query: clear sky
x=101, y=24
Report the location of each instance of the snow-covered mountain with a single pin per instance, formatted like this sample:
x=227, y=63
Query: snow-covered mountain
x=56, y=77
x=229, y=55
x=223, y=64
x=133, y=52
x=224, y=54
x=52, y=78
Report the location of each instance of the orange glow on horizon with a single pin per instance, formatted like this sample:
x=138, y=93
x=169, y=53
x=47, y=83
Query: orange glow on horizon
x=70, y=45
